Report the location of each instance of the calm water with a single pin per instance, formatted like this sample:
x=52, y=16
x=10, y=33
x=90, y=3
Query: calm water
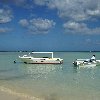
x=51, y=82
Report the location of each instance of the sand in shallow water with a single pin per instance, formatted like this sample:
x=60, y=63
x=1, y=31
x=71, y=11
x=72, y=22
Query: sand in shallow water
x=7, y=94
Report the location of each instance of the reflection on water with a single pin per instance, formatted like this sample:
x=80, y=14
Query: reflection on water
x=80, y=70
x=6, y=70
x=12, y=78
x=75, y=69
x=86, y=77
x=41, y=70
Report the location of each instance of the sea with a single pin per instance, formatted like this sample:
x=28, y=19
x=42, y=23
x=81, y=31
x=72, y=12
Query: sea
x=50, y=81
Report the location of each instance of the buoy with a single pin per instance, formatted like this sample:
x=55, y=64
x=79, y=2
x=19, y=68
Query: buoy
x=14, y=61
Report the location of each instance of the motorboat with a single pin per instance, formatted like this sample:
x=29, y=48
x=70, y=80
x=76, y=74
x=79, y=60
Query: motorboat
x=86, y=63
x=28, y=59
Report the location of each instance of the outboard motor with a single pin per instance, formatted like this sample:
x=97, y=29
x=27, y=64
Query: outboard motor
x=75, y=63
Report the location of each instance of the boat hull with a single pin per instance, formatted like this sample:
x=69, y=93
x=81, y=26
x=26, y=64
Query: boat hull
x=30, y=60
x=86, y=63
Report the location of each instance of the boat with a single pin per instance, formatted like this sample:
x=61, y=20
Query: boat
x=28, y=59
x=86, y=63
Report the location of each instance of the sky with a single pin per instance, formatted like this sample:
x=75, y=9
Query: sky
x=50, y=25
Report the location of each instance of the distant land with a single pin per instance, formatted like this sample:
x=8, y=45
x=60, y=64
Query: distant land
x=49, y=51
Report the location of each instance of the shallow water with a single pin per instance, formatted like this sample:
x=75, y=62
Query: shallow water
x=51, y=82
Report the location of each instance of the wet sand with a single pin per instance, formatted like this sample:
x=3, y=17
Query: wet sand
x=7, y=94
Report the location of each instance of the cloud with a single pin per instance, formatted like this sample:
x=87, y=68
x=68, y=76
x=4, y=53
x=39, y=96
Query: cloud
x=17, y=2
x=5, y=30
x=77, y=10
x=89, y=41
x=21, y=3
x=75, y=14
x=5, y=15
x=94, y=13
x=75, y=27
x=24, y=22
x=40, y=2
x=38, y=25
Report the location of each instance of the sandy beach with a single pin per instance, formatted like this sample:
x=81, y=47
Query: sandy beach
x=7, y=94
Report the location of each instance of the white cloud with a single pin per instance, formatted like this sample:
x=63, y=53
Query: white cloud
x=40, y=2
x=75, y=27
x=5, y=30
x=24, y=22
x=74, y=12
x=38, y=25
x=17, y=2
x=89, y=41
x=77, y=10
x=5, y=15
x=21, y=3
x=93, y=12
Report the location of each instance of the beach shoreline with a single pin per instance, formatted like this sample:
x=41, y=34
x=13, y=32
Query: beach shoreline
x=7, y=94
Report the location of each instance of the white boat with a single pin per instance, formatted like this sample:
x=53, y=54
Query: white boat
x=86, y=63
x=28, y=59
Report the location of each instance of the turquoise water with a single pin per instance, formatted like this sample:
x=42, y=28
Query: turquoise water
x=51, y=82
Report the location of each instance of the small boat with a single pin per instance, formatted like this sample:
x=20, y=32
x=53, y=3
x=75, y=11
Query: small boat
x=86, y=63
x=28, y=59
